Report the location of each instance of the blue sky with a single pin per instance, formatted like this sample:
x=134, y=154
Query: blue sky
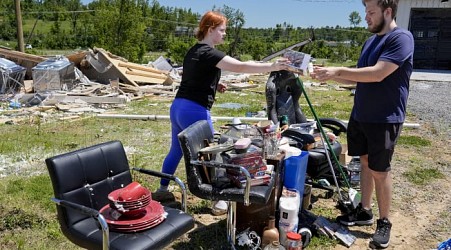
x=268, y=13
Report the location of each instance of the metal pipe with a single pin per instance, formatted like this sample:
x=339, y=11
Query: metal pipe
x=247, y=188
x=105, y=232
x=215, y=118
x=231, y=223
x=182, y=186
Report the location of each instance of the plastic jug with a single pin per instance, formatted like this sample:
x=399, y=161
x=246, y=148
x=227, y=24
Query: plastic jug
x=289, y=204
x=295, y=170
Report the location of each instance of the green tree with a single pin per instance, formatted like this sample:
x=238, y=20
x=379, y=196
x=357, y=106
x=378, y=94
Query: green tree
x=355, y=19
x=8, y=21
x=177, y=50
x=235, y=24
x=119, y=28
x=73, y=6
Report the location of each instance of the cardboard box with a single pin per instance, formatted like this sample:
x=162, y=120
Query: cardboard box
x=344, y=158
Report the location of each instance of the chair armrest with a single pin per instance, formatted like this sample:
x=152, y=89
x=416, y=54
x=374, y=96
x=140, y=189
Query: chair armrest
x=242, y=170
x=169, y=177
x=90, y=212
x=337, y=126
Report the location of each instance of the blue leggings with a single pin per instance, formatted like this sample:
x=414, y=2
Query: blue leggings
x=183, y=113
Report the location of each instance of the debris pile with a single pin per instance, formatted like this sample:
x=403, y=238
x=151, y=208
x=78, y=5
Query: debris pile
x=84, y=79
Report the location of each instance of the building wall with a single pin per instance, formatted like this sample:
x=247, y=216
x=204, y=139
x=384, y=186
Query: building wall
x=403, y=16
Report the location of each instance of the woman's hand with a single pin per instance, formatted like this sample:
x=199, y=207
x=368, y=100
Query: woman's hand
x=222, y=87
x=280, y=64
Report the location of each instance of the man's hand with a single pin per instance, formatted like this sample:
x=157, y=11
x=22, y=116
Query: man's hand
x=324, y=73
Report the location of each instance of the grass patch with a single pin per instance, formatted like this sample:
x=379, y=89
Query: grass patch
x=203, y=206
x=322, y=242
x=28, y=141
x=43, y=27
x=415, y=141
x=422, y=176
x=15, y=218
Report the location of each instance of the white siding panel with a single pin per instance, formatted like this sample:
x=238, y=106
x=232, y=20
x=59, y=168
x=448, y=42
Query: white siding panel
x=403, y=15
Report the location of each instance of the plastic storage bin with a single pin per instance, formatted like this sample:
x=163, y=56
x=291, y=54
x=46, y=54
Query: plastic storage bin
x=295, y=170
x=12, y=76
x=53, y=74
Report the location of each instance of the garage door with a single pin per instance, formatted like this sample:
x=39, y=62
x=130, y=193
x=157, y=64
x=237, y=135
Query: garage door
x=431, y=29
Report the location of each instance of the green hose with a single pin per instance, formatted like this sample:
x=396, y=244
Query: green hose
x=299, y=82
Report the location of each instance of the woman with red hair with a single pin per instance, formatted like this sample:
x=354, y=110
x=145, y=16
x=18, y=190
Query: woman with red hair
x=202, y=67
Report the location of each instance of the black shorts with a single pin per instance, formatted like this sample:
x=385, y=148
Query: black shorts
x=378, y=140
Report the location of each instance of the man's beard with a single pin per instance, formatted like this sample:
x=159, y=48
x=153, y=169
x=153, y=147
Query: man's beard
x=378, y=28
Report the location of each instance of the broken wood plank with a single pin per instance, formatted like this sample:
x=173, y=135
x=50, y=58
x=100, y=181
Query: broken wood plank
x=19, y=56
x=119, y=70
x=127, y=78
x=139, y=67
x=90, y=99
x=156, y=91
x=243, y=85
x=145, y=74
x=69, y=117
x=26, y=60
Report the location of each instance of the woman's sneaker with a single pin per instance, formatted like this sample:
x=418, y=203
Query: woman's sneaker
x=358, y=216
x=381, y=237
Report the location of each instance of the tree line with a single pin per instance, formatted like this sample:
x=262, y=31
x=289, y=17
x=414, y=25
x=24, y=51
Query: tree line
x=132, y=28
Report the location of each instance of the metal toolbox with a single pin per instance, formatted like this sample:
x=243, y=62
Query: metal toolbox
x=56, y=73
x=12, y=76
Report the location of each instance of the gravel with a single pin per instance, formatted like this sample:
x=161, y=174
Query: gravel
x=429, y=101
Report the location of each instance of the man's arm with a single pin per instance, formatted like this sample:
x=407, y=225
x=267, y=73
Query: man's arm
x=375, y=73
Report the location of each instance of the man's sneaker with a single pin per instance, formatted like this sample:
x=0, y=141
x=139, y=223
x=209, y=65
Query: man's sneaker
x=381, y=237
x=358, y=216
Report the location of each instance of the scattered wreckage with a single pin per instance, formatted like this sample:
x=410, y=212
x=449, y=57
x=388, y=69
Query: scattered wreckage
x=79, y=81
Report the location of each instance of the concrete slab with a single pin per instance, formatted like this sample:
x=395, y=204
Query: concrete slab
x=431, y=75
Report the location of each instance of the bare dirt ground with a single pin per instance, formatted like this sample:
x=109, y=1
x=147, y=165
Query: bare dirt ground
x=420, y=214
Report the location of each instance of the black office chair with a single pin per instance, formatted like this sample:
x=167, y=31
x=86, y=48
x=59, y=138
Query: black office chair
x=192, y=139
x=82, y=180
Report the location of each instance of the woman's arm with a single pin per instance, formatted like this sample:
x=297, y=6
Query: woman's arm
x=231, y=64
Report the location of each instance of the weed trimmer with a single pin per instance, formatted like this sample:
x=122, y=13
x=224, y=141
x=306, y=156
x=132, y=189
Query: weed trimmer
x=353, y=196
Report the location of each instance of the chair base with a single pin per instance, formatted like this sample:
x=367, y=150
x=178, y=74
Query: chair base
x=231, y=223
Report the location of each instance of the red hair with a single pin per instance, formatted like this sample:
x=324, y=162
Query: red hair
x=211, y=19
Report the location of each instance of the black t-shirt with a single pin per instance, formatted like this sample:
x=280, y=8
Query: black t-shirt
x=200, y=75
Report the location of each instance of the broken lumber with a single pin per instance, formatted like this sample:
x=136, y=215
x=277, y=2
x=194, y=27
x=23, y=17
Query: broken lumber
x=90, y=99
x=139, y=67
x=145, y=74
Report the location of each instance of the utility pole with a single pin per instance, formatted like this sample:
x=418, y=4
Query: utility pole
x=19, y=26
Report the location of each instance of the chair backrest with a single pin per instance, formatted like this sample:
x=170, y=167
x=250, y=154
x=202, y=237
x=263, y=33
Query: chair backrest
x=282, y=97
x=86, y=177
x=192, y=139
